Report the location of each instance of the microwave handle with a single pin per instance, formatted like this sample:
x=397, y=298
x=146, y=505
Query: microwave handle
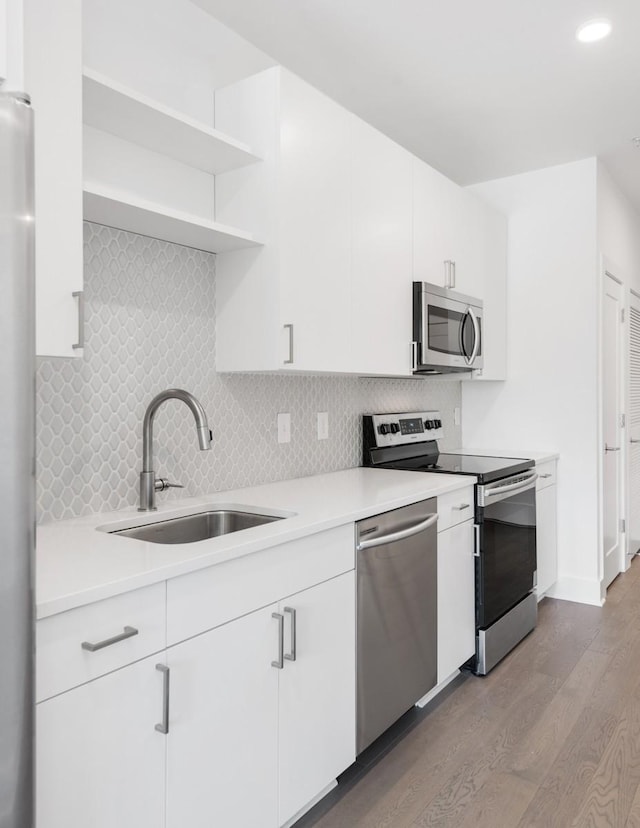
x=476, y=337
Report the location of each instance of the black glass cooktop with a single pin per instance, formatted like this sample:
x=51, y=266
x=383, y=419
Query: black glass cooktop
x=486, y=469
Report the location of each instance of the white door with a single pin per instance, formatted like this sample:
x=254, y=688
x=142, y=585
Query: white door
x=433, y=207
x=317, y=691
x=100, y=761
x=381, y=265
x=634, y=424
x=612, y=448
x=223, y=727
x=456, y=598
x=315, y=229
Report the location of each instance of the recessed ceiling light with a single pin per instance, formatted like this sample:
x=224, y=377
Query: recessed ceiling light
x=636, y=141
x=593, y=30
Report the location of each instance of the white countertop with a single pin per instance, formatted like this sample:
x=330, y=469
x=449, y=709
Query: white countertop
x=77, y=564
x=538, y=456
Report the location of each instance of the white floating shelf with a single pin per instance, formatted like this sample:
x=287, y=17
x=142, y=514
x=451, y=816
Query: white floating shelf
x=114, y=209
x=114, y=108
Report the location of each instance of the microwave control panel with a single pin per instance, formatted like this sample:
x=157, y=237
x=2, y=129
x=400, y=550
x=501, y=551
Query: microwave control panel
x=400, y=429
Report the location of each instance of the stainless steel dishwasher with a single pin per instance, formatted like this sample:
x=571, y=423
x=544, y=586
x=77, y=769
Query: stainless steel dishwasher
x=397, y=626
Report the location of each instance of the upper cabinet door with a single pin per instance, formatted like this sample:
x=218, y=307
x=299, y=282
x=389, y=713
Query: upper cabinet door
x=469, y=244
x=53, y=78
x=434, y=202
x=314, y=228
x=381, y=253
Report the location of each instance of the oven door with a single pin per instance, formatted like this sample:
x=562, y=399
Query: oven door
x=505, y=545
x=449, y=332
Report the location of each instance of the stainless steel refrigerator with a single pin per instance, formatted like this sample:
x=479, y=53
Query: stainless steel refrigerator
x=17, y=461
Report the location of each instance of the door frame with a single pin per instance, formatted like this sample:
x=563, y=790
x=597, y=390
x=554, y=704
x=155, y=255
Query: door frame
x=629, y=293
x=609, y=269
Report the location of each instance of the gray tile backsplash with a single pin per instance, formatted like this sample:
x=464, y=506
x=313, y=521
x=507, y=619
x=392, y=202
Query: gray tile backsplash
x=150, y=310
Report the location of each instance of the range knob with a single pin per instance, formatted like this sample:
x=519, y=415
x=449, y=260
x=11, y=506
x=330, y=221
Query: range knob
x=395, y=428
x=428, y=424
x=437, y=423
x=384, y=428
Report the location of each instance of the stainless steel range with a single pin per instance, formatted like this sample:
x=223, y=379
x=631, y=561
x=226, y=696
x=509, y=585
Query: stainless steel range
x=505, y=523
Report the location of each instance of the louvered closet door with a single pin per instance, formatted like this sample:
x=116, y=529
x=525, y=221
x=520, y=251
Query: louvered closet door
x=634, y=424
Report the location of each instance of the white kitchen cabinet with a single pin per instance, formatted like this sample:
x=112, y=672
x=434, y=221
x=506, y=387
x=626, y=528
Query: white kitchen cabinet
x=53, y=79
x=4, y=41
x=456, y=598
x=100, y=760
x=317, y=692
x=240, y=722
x=287, y=306
x=546, y=527
x=460, y=242
x=381, y=258
x=223, y=727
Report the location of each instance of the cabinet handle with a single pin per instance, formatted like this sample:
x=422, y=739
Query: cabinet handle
x=544, y=476
x=453, y=274
x=128, y=632
x=79, y=295
x=476, y=540
x=611, y=448
x=461, y=507
x=279, y=663
x=290, y=360
x=414, y=356
x=291, y=655
x=447, y=272
x=163, y=727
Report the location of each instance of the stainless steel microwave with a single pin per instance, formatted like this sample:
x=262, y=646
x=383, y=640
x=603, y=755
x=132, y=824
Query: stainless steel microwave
x=447, y=330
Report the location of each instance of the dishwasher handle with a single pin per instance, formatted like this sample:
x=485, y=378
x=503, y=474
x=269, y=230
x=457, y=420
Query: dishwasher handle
x=401, y=534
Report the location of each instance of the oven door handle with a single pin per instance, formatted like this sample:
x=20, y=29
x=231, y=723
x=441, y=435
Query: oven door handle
x=476, y=338
x=521, y=485
x=401, y=534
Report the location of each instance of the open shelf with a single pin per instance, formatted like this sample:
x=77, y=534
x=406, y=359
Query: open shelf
x=113, y=209
x=113, y=108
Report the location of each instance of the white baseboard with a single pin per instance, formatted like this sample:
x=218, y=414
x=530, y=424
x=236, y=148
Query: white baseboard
x=581, y=590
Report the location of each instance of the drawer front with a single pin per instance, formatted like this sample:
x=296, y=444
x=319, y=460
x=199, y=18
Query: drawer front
x=547, y=475
x=455, y=507
x=84, y=643
x=203, y=600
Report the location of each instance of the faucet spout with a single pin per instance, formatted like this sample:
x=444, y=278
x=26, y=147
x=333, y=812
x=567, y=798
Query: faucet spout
x=148, y=483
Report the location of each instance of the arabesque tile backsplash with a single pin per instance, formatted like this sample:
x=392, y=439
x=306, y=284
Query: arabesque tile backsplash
x=150, y=310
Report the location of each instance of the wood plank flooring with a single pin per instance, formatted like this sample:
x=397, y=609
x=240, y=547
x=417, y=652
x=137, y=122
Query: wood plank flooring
x=550, y=738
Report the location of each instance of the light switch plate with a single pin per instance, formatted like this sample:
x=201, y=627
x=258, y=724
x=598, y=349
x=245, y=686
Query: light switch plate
x=284, y=427
x=323, y=425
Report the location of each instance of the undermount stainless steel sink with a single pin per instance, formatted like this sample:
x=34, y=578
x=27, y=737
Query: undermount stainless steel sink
x=192, y=528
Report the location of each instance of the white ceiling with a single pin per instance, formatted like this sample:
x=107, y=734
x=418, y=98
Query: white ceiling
x=478, y=88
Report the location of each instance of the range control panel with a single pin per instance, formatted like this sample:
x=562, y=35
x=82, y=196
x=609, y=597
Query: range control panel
x=399, y=429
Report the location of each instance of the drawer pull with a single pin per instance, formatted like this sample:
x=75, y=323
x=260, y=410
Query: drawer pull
x=461, y=507
x=128, y=632
x=544, y=476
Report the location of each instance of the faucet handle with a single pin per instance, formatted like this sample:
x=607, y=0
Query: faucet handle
x=162, y=484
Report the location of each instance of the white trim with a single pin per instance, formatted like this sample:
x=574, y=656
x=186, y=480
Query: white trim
x=424, y=701
x=581, y=590
x=311, y=804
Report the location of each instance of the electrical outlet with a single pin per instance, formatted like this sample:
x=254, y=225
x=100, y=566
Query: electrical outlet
x=456, y=416
x=284, y=428
x=323, y=425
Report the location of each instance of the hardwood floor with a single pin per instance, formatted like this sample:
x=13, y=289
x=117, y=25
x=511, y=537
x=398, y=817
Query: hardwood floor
x=550, y=738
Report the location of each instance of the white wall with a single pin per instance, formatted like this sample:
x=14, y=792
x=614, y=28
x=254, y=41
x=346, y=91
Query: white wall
x=618, y=229
x=549, y=400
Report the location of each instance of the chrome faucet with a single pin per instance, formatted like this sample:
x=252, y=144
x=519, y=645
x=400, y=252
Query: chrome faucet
x=149, y=484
